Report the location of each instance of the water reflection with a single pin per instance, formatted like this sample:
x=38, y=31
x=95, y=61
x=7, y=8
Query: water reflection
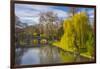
x=31, y=57
x=45, y=55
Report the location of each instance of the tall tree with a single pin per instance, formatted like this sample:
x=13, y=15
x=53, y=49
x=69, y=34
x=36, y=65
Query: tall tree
x=72, y=11
x=49, y=23
x=78, y=35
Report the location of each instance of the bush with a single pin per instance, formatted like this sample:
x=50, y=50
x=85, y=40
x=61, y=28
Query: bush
x=43, y=41
x=35, y=41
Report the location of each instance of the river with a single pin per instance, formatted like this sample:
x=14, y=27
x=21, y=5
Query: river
x=45, y=55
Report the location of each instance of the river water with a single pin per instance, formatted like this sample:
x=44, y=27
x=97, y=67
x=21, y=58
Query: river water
x=45, y=55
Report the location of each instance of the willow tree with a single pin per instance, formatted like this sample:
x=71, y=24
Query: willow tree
x=78, y=34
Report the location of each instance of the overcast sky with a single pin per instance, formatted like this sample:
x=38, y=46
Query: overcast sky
x=30, y=13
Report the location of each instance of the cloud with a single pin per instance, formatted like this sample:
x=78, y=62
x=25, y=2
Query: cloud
x=61, y=13
x=30, y=13
x=25, y=10
x=91, y=13
x=47, y=8
x=30, y=20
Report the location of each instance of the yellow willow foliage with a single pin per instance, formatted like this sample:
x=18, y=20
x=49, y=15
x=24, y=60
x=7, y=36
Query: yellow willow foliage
x=76, y=31
x=81, y=27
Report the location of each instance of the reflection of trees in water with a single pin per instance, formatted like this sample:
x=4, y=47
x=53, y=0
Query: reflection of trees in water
x=67, y=56
x=19, y=54
x=46, y=55
x=49, y=55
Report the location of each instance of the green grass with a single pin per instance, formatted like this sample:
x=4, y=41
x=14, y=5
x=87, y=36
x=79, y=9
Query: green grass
x=83, y=52
x=66, y=58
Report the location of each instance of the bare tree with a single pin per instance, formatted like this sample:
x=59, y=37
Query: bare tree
x=49, y=23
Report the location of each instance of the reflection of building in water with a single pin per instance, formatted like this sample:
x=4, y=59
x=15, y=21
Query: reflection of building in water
x=49, y=55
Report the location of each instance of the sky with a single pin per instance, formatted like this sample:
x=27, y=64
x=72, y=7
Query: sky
x=29, y=13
